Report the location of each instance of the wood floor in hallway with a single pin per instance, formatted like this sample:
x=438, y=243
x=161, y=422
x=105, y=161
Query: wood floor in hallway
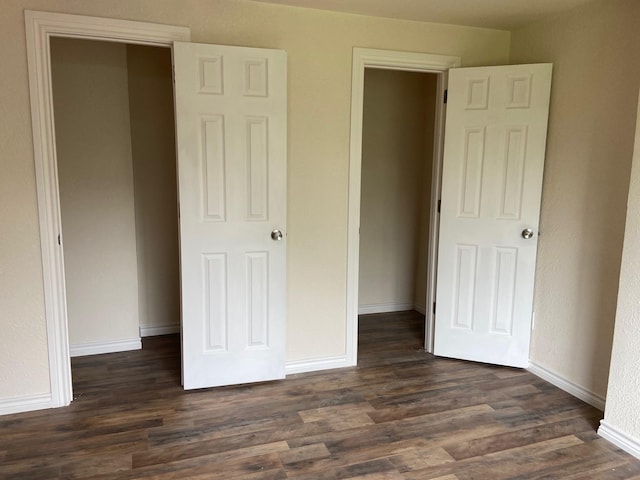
x=401, y=414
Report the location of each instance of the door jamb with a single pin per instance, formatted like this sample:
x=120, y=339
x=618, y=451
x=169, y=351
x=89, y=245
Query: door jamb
x=389, y=60
x=40, y=27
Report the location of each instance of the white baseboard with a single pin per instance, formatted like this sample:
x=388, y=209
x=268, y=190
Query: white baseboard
x=95, y=348
x=619, y=439
x=385, y=308
x=25, y=403
x=568, y=386
x=153, y=330
x=315, y=364
x=418, y=307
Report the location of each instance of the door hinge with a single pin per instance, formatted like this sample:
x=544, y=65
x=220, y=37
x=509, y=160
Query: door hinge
x=434, y=308
x=446, y=95
x=439, y=205
x=59, y=240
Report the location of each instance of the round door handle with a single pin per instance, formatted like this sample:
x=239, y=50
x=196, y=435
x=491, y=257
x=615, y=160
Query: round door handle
x=527, y=233
x=276, y=235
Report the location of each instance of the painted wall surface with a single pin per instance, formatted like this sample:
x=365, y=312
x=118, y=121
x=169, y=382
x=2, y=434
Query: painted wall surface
x=319, y=47
x=424, y=211
x=91, y=104
x=589, y=149
x=394, y=159
x=623, y=395
x=154, y=175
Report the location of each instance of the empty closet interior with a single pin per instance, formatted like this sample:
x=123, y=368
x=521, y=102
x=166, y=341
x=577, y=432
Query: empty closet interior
x=116, y=159
x=397, y=159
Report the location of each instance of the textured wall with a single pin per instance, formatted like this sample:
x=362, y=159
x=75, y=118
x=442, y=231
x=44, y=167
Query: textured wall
x=319, y=47
x=394, y=159
x=589, y=148
x=95, y=174
x=623, y=395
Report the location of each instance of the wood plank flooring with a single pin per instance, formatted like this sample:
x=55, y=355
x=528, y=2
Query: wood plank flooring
x=401, y=414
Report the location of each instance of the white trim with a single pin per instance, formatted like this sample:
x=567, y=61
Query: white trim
x=111, y=346
x=154, y=330
x=390, y=60
x=25, y=403
x=568, y=386
x=315, y=364
x=418, y=307
x=40, y=27
x=619, y=439
x=434, y=214
x=385, y=308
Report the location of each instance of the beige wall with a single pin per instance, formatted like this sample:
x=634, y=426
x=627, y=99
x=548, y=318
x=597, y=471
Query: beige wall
x=589, y=148
x=424, y=212
x=154, y=174
x=319, y=46
x=623, y=395
x=95, y=175
x=395, y=156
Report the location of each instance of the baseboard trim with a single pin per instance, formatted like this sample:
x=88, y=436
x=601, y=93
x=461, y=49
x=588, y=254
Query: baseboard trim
x=619, y=439
x=26, y=403
x=315, y=364
x=418, y=307
x=385, y=308
x=568, y=386
x=153, y=330
x=112, y=346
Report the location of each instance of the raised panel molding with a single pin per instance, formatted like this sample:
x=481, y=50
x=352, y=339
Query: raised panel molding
x=211, y=75
x=213, y=165
x=256, y=131
x=478, y=94
x=505, y=290
x=464, y=289
x=257, y=265
x=519, y=91
x=513, y=172
x=215, y=281
x=473, y=161
x=256, y=77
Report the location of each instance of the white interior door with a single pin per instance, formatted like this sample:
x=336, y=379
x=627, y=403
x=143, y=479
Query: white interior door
x=494, y=152
x=231, y=142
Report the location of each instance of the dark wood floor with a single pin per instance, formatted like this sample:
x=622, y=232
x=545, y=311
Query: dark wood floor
x=402, y=414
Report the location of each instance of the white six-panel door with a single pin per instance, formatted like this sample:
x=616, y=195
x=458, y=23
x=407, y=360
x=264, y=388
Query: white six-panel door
x=231, y=143
x=494, y=152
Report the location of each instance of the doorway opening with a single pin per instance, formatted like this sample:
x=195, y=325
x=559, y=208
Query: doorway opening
x=41, y=27
x=400, y=183
x=116, y=159
x=398, y=135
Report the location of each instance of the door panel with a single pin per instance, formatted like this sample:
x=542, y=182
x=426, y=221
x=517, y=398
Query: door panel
x=491, y=188
x=231, y=136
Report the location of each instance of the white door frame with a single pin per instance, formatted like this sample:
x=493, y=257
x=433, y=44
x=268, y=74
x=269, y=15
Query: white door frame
x=390, y=60
x=40, y=27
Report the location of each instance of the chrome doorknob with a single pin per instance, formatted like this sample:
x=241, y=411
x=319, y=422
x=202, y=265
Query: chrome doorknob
x=527, y=233
x=276, y=235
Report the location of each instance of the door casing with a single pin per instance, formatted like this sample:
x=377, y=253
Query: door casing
x=40, y=27
x=390, y=60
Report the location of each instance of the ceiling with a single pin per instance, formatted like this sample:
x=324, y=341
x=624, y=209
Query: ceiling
x=500, y=14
